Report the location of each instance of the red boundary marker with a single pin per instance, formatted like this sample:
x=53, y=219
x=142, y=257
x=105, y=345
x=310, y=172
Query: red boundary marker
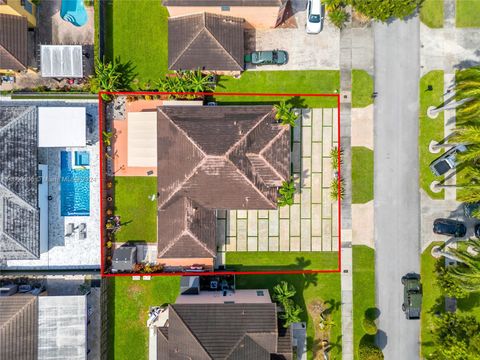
x=102, y=227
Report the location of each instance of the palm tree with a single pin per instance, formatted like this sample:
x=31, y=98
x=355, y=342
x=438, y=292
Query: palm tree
x=467, y=88
x=338, y=17
x=467, y=274
x=286, y=193
x=291, y=314
x=285, y=114
x=283, y=292
x=108, y=77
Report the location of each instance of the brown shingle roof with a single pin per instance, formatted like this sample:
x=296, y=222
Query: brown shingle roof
x=222, y=331
x=205, y=41
x=222, y=157
x=19, y=327
x=13, y=42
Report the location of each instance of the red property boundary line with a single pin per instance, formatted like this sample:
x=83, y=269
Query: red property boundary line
x=102, y=175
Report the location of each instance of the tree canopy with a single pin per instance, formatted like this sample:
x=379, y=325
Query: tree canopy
x=384, y=10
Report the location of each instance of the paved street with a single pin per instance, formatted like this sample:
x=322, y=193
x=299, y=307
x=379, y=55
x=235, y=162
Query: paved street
x=397, y=208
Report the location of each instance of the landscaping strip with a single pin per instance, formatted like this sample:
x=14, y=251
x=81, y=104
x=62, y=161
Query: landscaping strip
x=466, y=13
x=431, y=94
x=362, y=175
x=298, y=81
x=293, y=260
x=362, y=88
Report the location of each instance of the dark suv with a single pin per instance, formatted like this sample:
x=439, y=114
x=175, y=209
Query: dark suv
x=412, y=296
x=449, y=227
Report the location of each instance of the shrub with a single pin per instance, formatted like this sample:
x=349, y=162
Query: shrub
x=384, y=10
x=369, y=326
x=369, y=351
x=286, y=193
x=338, y=17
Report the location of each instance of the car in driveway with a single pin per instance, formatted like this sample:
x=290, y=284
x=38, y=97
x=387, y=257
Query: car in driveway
x=412, y=296
x=314, y=17
x=470, y=209
x=449, y=227
x=446, y=161
x=272, y=57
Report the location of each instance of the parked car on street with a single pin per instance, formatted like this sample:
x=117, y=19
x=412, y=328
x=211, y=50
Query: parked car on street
x=275, y=57
x=449, y=227
x=469, y=209
x=314, y=17
x=446, y=161
x=412, y=296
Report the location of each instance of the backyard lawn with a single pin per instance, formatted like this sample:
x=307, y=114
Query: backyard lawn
x=293, y=260
x=363, y=290
x=362, y=175
x=137, y=32
x=466, y=13
x=307, y=82
x=431, y=13
x=362, y=88
x=311, y=289
x=128, y=306
x=138, y=214
x=430, y=129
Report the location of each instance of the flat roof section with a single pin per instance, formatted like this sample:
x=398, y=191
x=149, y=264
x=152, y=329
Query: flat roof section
x=142, y=139
x=63, y=61
x=62, y=126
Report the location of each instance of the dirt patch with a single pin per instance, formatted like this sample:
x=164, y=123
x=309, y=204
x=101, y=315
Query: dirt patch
x=322, y=318
x=134, y=291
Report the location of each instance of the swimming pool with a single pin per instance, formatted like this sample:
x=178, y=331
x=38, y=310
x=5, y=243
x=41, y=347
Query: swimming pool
x=74, y=187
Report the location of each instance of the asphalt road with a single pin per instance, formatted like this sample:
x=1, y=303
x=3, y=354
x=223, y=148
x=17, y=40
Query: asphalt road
x=397, y=199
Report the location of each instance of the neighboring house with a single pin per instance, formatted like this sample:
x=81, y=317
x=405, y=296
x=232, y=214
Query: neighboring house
x=43, y=327
x=13, y=42
x=259, y=14
x=223, y=331
x=19, y=8
x=209, y=158
x=206, y=41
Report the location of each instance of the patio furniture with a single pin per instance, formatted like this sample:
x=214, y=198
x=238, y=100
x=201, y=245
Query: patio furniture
x=82, y=227
x=70, y=229
x=82, y=235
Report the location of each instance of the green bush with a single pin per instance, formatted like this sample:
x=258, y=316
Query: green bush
x=369, y=351
x=369, y=326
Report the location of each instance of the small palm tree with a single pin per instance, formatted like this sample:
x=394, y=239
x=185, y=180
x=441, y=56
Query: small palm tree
x=283, y=291
x=337, y=190
x=108, y=77
x=285, y=114
x=291, y=314
x=107, y=136
x=286, y=193
x=338, y=17
x=467, y=88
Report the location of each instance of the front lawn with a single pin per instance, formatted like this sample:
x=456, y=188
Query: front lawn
x=311, y=289
x=137, y=32
x=307, y=82
x=128, y=306
x=430, y=129
x=138, y=213
x=467, y=13
x=431, y=13
x=363, y=291
x=362, y=88
x=282, y=260
x=362, y=175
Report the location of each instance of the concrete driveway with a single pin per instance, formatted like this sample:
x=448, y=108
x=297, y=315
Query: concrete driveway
x=305, y=51
x=397, y=198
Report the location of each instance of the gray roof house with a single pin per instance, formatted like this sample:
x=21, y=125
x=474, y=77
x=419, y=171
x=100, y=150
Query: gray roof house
x=13, y=42
x=43, y=327
x=223, y=331
x=19, y=212
x=214, y=157
x=207, y=42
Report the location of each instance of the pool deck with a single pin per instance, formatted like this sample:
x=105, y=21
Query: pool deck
x=70, y=252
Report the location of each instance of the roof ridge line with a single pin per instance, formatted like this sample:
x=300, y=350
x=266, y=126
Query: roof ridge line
x=191, y=332
x=268, y=164
x=190, y=43
x=268, y=146
x=14, y=57
x=199, y=242
x=16, y=196
x=33, y=298
x=21, y=245
x=220, y=44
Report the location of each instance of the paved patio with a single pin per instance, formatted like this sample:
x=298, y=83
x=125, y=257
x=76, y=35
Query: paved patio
x=311, y=223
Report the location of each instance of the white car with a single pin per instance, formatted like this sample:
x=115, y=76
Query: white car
x=314, y=17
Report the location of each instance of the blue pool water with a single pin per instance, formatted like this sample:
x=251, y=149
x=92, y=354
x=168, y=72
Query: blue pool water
x=74, y=11
x=74, y=188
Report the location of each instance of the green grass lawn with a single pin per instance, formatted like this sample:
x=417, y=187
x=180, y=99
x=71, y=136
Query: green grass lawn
x=137, y=31
x=138, y=213
x=294, y=260
x=307, y=82
x=362, y=175
x=467, y=13
x=362, y=88
x=363, y=289
x=430, y=129
x=128, y=306
x=431, y=13
x=310, y=288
